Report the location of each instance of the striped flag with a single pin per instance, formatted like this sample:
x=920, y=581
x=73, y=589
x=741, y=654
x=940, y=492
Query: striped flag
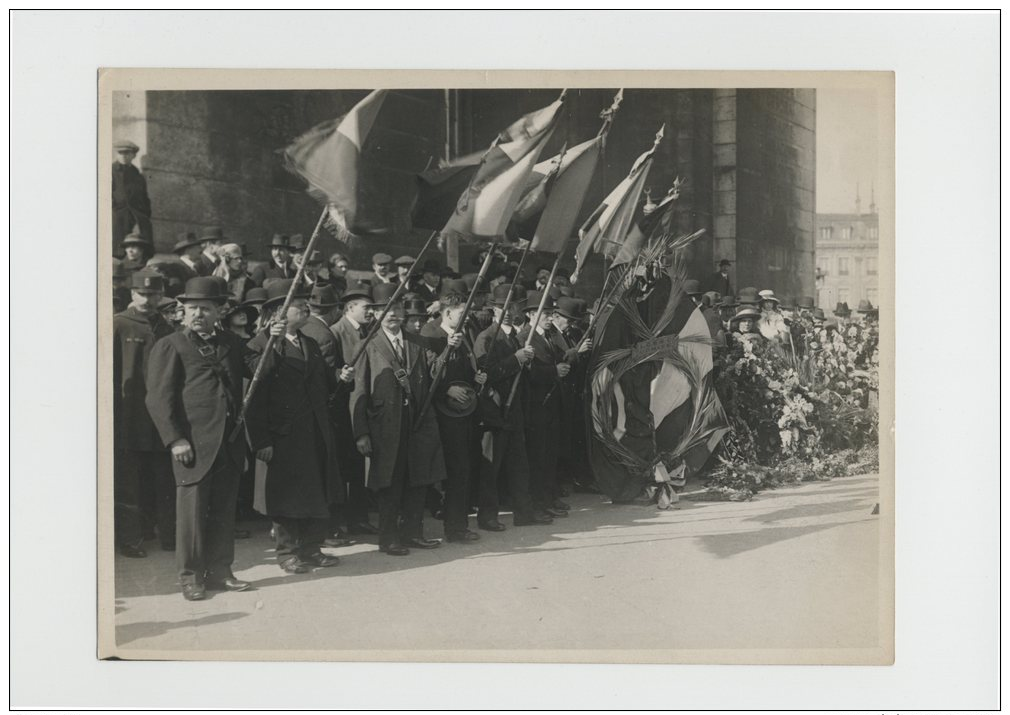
x=487, y=204
x=644, y=227
x=605, y=230
x=327, y=157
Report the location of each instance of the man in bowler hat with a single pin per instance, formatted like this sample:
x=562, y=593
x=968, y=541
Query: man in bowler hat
x=281, y=265
x=194, y=395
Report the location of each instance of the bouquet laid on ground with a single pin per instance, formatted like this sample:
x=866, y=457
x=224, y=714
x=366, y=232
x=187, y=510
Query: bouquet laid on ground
x=799, y=414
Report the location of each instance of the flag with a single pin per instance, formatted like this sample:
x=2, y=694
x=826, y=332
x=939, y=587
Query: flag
x=327, y=157
x=439, y=189
x=606, y=228
x=563, y=195
x=644, y=227
x=487, y=204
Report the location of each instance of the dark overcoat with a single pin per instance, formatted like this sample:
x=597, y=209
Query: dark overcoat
x=197, y=396
x=289, y=412
x=542, y=397
x=134, y=335
x=496, y=357
x=329, y=346
x=131, y=205
x=377, y=406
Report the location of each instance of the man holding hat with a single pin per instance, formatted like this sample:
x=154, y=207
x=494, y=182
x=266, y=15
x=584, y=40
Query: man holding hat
x=350, y=331
x=391, y=384
x=131, y=206
x=281, y=265
x=382, y=269
x=142, y=462
x=290, y=431
x=189, y=250
x=194, y=395
x=454, y=405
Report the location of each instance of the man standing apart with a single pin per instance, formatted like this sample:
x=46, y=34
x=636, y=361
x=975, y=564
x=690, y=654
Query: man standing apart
x=140, y=454
x=391, y=384
x=194, y=394
x=131, y=206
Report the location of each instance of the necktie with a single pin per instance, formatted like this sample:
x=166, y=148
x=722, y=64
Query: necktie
x=362, y=332
x=398, y=346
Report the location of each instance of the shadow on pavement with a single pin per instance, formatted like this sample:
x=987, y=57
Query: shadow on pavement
x=149, y=629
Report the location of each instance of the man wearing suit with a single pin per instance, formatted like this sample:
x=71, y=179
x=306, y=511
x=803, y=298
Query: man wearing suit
x=349, y=331
x=431, y=280
x=458, y=385
x=542, y=405
x=210, y=242
x=323, y=305
x=189, y=249
x=281, y=265
x=719, y=281
x=194, y=394
x=391, y=384
x=382, y=269
x=289, y=429
x=502, y=356
x=131, y=206
x=569, y=341
x=142, y=462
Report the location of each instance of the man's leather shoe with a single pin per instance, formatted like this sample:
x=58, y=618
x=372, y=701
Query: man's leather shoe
x=132, y=552
x=556, y=513
x=338, y=541
x=394, y=549
x=491, y=525
x=538, y=519
x=322, y=560
x=560, y=505
x=242, y=534
x=424, y=543
x=362, y=529
x=462, y=536
x=193, y=591
x=229, y=583
x=295, y=566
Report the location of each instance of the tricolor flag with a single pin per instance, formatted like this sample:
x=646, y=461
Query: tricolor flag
x=605, y=230
x=327, y=157
x=487, y=204
x=644, y=227
x=439, y=189
x=560, y=194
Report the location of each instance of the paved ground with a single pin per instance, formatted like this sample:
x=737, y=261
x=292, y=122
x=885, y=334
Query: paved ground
x=794, y=568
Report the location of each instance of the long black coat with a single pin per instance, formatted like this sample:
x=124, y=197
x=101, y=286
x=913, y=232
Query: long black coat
x=197, y=397
x=130, y=203
x=496, y=357
x=133, y=336
x=289, y=413
x=377, y=406
x=542, y=397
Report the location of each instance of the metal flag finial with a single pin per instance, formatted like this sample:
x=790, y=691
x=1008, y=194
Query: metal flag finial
x=659, y=135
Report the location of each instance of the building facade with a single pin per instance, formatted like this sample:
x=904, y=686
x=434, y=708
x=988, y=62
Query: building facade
x=746, y=157
x=847, y=258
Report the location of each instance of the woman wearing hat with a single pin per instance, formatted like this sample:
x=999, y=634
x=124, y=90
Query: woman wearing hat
x=289, y=429
x=744, y=324
x=136, y=252
x=231, y=270
x=771, y=324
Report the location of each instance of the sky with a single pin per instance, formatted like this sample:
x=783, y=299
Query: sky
x=847, y=146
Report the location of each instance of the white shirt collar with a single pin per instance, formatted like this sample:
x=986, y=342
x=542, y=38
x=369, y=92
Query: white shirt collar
x=353, y=322
x=393, y=337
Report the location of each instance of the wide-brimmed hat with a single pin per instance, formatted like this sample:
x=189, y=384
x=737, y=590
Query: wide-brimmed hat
x=415, y=306
x=147, y=281
x=255, y=296
x=746, y=311
x=323, y=296
x=865, y=306
x=125, y=145
x=728, y=301
x=205, y=288
x=382, y=293
x=456, y=287
x=212, y=233
x=135, y=239
x=278, y=291
x=713, y=297
x=380, y=259
x=692, y=287
x=251, y=312
x=280, y=240
x=571, y=308
x=748, y=296
x=533, y=301
x=806, y=303
x=818, y=314
x=842, y=309
x=184, y=240
x=500, y=293
x=358, y=289
x=297, y=243
x=768, y=295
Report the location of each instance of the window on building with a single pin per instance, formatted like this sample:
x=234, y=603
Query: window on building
x=871, y=266
x=826, y=233
x=873, y=233
x=847, y=233
x=843, y=266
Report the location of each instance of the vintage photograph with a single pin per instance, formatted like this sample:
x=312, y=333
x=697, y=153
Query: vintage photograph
x=455, y=366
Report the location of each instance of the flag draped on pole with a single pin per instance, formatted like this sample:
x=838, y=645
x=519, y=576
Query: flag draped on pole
x=487, y=204
x=605, y=230
x=646, y=226
x=327, y=157
x=439, y=188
